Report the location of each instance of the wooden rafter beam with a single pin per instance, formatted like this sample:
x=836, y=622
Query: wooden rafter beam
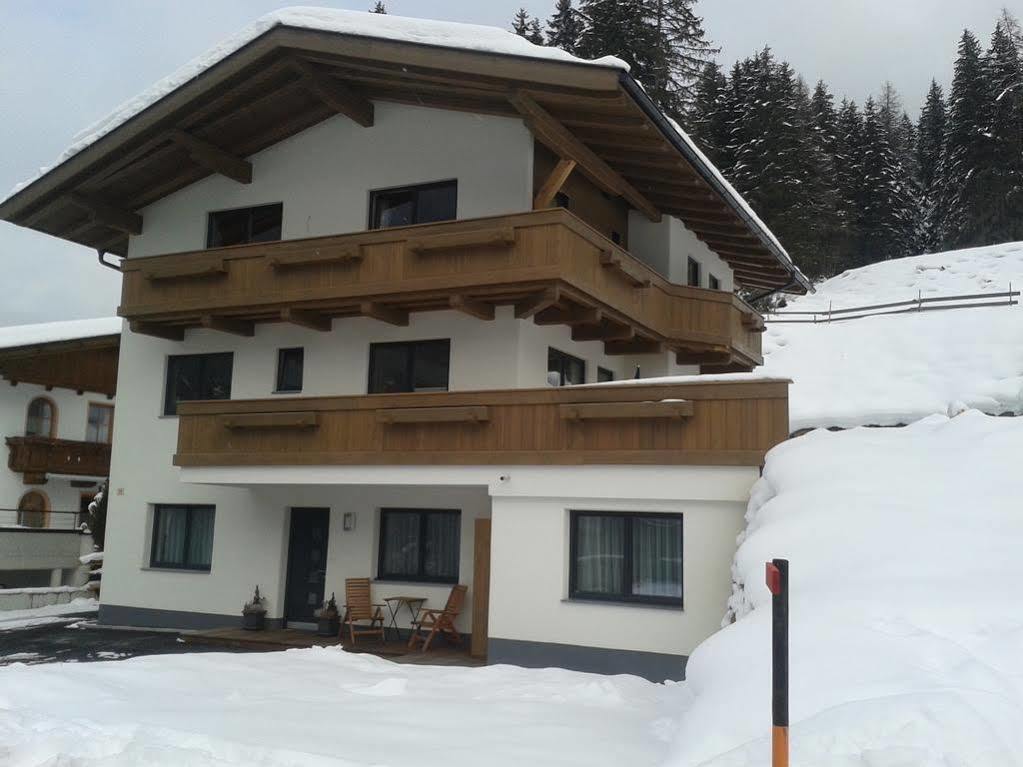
x=604, y=333
x=537, y=303
x=382, y=313
x=109, y=215
x=726, y=230
x=336, y=94
x=212, y=157
x=562, y=142
x=478, y=309
x=635, y=346
x=167, y=332
x=307, y=319
x=245, y=328
x=583, y=315
x=553, y=183
x=725, y=249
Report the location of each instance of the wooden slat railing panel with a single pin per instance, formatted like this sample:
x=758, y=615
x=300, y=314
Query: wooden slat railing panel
x=41, y=456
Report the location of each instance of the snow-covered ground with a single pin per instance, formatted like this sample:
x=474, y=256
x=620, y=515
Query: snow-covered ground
x=39, y=616
x=906, y=610
x=323, y=706
x=895, y=369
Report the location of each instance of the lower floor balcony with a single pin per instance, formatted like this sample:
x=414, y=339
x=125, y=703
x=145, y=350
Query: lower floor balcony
x=38, y=457
x=727, y=423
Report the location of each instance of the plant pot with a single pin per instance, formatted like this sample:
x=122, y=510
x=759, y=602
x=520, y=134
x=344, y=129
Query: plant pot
x=328, y=626
x=254, y=621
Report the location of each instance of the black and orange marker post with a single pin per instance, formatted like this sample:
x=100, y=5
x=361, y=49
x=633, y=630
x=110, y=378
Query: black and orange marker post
x=778, y=583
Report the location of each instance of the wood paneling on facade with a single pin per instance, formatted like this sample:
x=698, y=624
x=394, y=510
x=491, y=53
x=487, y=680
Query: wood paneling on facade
x=35, y=457
x=732, y=423
x=86, y=365
x=447, y=265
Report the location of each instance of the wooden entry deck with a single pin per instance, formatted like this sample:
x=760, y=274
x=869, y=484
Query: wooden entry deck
x=285, y=639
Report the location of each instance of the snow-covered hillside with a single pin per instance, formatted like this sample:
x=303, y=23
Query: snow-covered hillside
x=907, y=618
x=895, y=369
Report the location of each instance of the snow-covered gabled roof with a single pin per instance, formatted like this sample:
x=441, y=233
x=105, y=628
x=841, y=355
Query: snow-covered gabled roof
x=17, y=336
x=135, y=155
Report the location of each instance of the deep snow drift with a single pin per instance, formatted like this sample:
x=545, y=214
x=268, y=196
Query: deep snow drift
x=896, y=369
x=907, y=618
x=303, y=708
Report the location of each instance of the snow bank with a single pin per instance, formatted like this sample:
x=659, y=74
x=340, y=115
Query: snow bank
x=899, y=368
x=448, y=34
x=39, y=616
x=13, y=336
x=907, y=619
x=324, y=707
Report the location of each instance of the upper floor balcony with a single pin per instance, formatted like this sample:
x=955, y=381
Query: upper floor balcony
x=37, y=457
x=548, y=264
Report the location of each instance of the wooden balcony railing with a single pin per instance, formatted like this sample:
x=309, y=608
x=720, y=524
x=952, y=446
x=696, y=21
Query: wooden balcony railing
x=35, y=457
x=723, y=423
x=548, y=264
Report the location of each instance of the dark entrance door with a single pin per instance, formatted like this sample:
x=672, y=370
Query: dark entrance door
x=307, y=564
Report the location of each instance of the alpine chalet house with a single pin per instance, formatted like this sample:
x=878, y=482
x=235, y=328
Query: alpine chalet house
x=56, y=418
x=363, y=258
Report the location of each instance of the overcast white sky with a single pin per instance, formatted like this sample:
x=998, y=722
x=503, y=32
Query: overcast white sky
x=64, y=65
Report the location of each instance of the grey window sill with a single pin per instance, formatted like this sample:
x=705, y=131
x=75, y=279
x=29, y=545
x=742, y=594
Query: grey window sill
x=629, y=605
x=184, y=570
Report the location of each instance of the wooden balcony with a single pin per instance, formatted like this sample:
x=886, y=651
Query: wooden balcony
x=36, y=457
x=548, y=264
x=724, y=423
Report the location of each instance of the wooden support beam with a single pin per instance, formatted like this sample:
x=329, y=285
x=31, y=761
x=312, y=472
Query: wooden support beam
x=686, y=357
x=607, y=411
x=539, y=302
x=562, y=142
x=307, y=319
x=636, y=346
x=581, y=315
x=604, y=333
x=213, y=157
x=720, y=229
x=450, y=414
x=736, y=250
x=753, y=322
x=383, y=313
x=335, y=94
x=552, y=185
x=167, y=332
x=497, y=237
x=473, y=308
x=109, y=215
x=624, y=266
x=225, y=325
x=246, y=421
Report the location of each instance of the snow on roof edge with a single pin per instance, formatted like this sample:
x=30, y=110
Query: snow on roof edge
x=446, y=34
x=16, y=336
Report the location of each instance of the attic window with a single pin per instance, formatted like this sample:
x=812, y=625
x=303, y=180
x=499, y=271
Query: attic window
x=713, y=282
x=409, y=205
x=244, y=225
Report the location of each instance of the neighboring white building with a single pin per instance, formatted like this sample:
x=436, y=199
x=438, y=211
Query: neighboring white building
x=346, y=236
x=56, y=417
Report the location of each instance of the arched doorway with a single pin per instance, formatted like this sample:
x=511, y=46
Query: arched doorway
x=42, y=418
x=34, y=510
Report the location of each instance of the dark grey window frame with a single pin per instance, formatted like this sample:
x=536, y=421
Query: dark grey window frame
x=250, y=209
x=564, y=358
x=690, y=264
x=624, y=598
x=604, y=374
x=279, y=387
x=409, y=362
x=171, y=409
x=713, y=283
x=161, y=508
x=420, y=577
x=376, y=194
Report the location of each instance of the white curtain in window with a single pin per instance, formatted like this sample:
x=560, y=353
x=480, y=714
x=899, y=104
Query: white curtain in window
x=200, y=539
x=401, y=543
x=657, y=557
x=171, y=523
x=442, y=543
x=600, y=554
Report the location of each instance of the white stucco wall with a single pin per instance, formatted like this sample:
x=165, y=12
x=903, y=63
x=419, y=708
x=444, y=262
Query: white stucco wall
x=324, y=174
x=72, y=411
x=667, y=246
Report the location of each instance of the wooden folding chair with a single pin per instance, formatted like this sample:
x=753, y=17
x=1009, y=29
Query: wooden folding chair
x=359, y=607
x=429, y=623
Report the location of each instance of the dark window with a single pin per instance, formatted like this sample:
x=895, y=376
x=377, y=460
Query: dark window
x=409, y=366
x=41, y=421
x=289, y=369
x=419, y=545
x=693, y=273
x=626, y=557
x=562, y=200
x=244, y=225
x=99, y=422
x=604, y=375
x=569, y=369
x=197, y=376
x=616, y=237
x=182, y=537
x=713, y=282
x=413, y=205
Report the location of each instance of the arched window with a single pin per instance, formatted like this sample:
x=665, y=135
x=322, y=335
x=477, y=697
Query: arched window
x=42, y=418
x=33, y=510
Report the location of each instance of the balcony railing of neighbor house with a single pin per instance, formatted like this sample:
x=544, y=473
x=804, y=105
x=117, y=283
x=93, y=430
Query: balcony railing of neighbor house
x=723, y=423
x=548, y=264
x=35, y=457
x=48, y=520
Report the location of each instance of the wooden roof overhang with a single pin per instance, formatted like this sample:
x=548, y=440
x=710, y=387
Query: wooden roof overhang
x=288, y=79
x=82, y=364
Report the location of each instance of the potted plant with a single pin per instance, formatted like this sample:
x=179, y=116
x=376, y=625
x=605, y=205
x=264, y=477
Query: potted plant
x=254, y=613
x=329, y=619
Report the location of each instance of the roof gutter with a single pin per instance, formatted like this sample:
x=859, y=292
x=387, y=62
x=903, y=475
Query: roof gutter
x=634, y=89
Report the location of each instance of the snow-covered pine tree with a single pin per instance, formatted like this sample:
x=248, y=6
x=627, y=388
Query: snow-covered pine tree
x=848, y=161
x=534, y=33
x=708, y=122
x=930, y=131
x=831, y=244
x=623, y=28
x=520, y=23
x=684, y=51
x=379, y=8
x=967, y=149
x=565, y=27
x=1003, y=210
